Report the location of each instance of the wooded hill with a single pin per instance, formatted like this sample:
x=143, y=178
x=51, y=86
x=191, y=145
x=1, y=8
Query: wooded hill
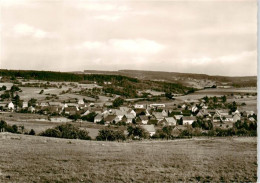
x=182, y=78
x=121, y=85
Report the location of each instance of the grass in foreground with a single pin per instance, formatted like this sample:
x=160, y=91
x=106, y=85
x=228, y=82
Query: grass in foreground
x=42, y=159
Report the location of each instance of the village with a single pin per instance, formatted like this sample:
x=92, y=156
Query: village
x=206, y=113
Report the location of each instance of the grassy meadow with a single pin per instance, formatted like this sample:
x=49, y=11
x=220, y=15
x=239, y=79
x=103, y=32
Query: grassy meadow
x=42, y=159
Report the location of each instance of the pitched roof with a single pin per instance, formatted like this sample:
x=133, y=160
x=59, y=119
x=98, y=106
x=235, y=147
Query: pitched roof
x=99, y=116
x=189, y=118
x=143, y=117
x=170, y=120
x=131, y=116
x=158, y=115
x=149, y=128
x=110, y=118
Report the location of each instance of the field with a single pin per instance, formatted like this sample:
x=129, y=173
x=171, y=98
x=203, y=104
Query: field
x=42, y=159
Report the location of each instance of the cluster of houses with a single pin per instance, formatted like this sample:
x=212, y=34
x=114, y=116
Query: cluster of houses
x=144, y=114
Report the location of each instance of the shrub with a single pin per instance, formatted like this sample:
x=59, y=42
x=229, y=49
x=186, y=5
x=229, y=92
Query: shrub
x=110, y=135
x=137, y=132
x=51, y=133
x=90, y=117
x=32, y=132
x=118, y=102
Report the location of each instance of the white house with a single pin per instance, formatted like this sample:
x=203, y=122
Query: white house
x=188, y=119
x=132, y=112
x=170, y=121
x=25, y=105
x=164, y=113
x=194, y=108
x=81, y=102
x=98, y=118
x=11, y=106
x=128, y=118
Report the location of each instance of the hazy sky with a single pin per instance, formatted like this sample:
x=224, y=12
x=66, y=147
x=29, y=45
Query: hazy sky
x=212, y=37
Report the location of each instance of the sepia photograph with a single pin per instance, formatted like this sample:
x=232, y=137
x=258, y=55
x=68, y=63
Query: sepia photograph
x=128, y=91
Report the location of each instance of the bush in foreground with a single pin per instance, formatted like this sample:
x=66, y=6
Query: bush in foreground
x=67, y=131
x=111, y=135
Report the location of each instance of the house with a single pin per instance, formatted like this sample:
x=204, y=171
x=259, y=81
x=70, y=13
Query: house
x=71, y=110
x=128, y=118
x=98, y=118
x=10, y=106
x=227, y=118
x=140, y=111
x=44, y=104
x=183, y=106
x=72, y=105
x=31, y=109
x=236, y=112
x=158, y=116
x=194, y=108
x=52, y=109
x=143, y=119
x=203, y=113
x=236, y=117
x=248, y=113
x=188, y=119
x=217, y=117
x=110, y=119
x=170, y=121
x=164, y=113
x=55, y=104
x=222, y=112
x=81, y=102
x=139, y=106
x=25, y=105
x=124, y=109
x=178, y=117
x=132, y=112
x=251, y=119
x=149, y=128
x=86, y=112
x=120, y=114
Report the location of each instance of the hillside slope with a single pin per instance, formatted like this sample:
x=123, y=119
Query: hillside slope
x=187, y=79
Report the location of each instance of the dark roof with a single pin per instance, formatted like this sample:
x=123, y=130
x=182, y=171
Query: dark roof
x=143, y=117
x=189, y=118
x=110, y=118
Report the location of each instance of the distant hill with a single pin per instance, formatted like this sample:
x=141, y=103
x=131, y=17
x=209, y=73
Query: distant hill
x=188, y=79
x=119, y=84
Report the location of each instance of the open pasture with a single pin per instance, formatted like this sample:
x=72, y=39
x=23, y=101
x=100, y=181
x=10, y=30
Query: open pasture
x=42, y=159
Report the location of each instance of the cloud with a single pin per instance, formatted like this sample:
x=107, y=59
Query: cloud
x=111, y=18
x=30, y=31
x=133, y=46
x=103, y=7
x=8, y=3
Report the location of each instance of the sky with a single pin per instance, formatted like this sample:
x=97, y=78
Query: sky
x=192, y=36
